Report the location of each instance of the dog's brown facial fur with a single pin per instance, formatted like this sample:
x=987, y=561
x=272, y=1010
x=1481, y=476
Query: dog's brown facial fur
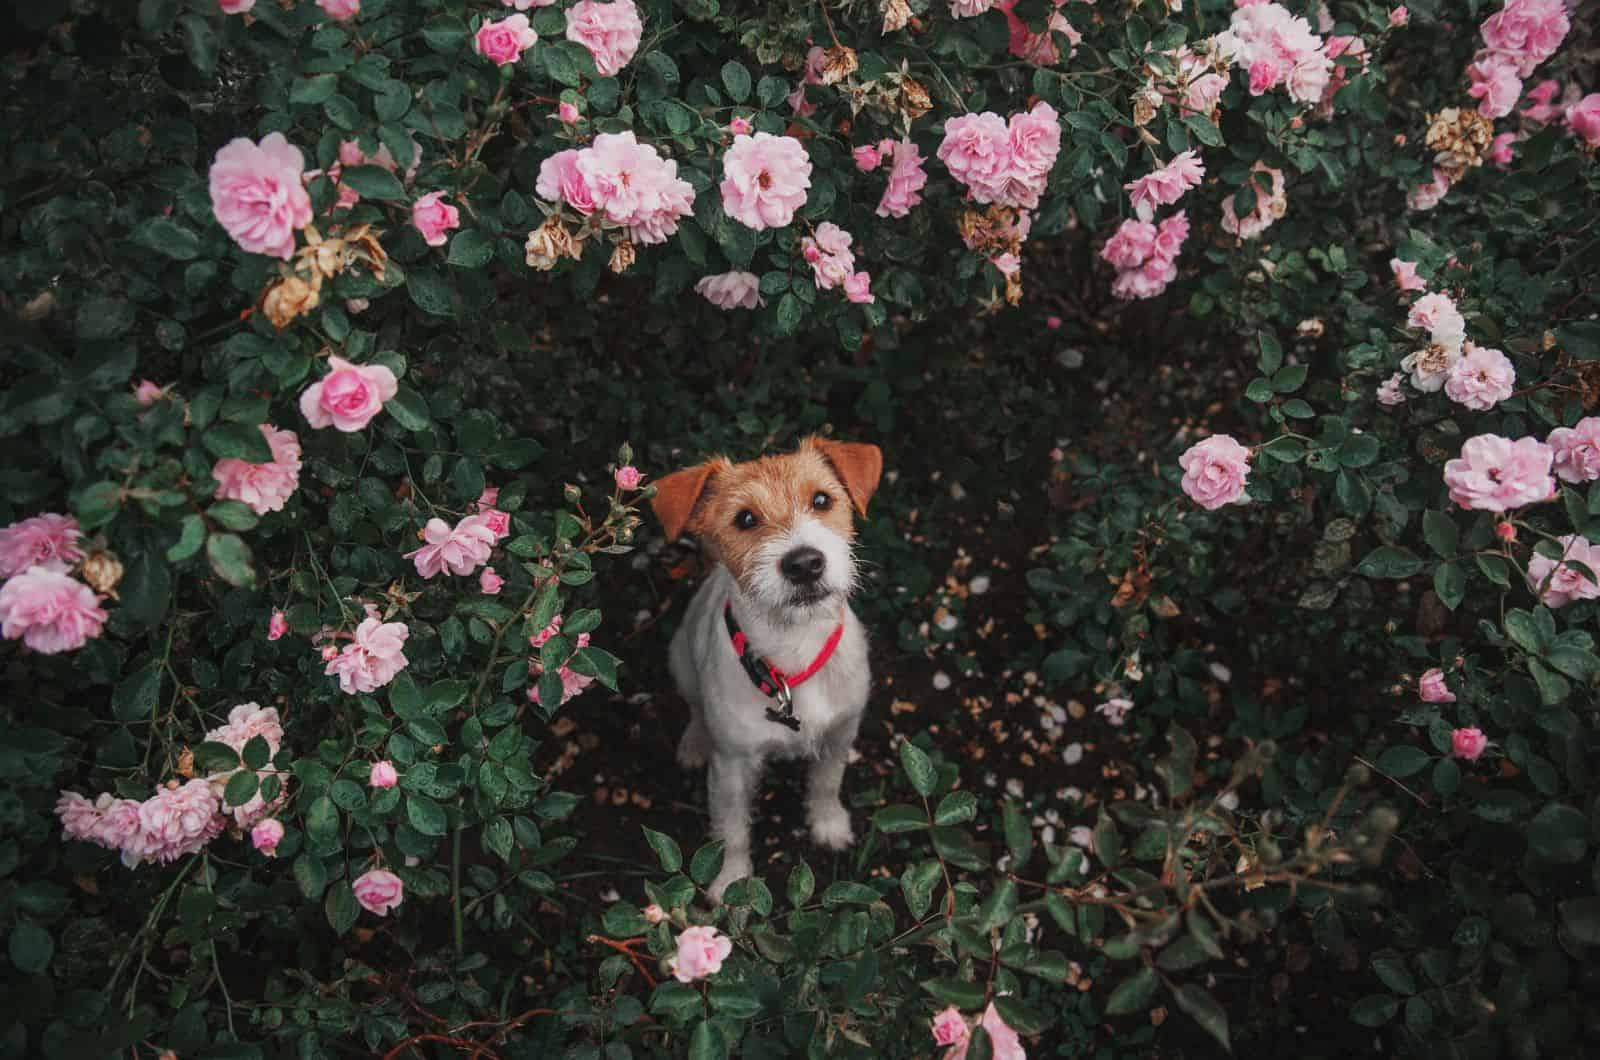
x=711, y=500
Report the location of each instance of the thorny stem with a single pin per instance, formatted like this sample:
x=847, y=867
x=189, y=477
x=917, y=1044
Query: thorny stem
x=149, y=921
x=216, y=965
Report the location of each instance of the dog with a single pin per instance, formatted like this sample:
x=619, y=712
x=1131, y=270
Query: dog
x=780, y=531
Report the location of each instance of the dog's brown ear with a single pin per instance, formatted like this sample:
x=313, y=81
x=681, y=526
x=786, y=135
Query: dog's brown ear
x=678, y=494
x=859, y=467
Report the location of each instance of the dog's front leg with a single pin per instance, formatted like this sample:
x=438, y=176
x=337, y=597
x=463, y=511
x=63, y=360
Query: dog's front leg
x=731, y=785
x=825, y=813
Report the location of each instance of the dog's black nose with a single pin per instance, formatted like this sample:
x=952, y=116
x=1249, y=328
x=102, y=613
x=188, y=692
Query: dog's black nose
x=804, y=565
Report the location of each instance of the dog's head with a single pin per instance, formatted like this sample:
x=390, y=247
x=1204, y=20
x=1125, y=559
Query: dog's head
x=782, y=525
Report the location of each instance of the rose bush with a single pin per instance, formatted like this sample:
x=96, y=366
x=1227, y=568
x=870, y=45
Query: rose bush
x=329, y=323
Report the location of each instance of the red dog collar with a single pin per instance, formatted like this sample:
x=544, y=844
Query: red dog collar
x=771, y=681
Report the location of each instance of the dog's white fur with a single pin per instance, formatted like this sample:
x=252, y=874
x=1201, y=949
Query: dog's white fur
x=729, y=728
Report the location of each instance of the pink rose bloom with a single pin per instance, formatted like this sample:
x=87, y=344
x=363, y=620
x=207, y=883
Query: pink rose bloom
x=858, y=288
x=179, y=821
x=1271, y=204
x=1502, y=151
x=1264, y=74
x=1399, y=17
x=348, y=396
x=1405, y=275
x=568, y=113
x=504, y=41
x=78, y=815
x=266, y=835
x=49, y=611
x=1481, y=379
x=498, y=522
x=343, y=10
x=1203, y=93
x=731, y=290
x=969, y=8
x=1541, y=108
x=701, y=951
x=1437, y=314
x=1131, y=244
x=1495, y=84
x=949, y=1027
x=654, y=913
x=611, y=32
x=1035, y=138
x=329, y=653
x=1583, y=118
x=867, y=158
x=1559, y=582
x=1115, y=709
x=1165, y=186
x=434, y=218
x=539, y=639
x=1214, y=471
x=490, y=582
x=1389, y=391
x=257, y=194
x=1528, y=30
x=108, y=821
x=635, y=186
x=48, y=540
x=235, y=7
x=1468, y=743
x=1427, y=196
x=373, y=659
x=1002, y=1039
x=524, y=5
x=572, y=682
x=460, y=550
x=740, y=126
x=976, y=149
x=246, y=721
x=264, y=487
x=561, y=181
x=488, y=498
x=764, y=180
x=277, y=626
x=1432, y=688
x=147, y=393
x=383, y=775
x=1577, y=450
x=628, y=477
x=1495, y=474
x=378, y=891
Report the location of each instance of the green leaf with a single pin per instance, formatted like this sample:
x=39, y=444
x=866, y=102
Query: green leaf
x=373, y=182
x=431, y=293
x=919, y=769
x=1559, y=834
x=409, y=409
x=315, y=89
x=214, y=757
x=707, y=862
x=1133, y=993
x=955, y=808
x=165, y=236
x=31, y=947
x=790, y=312
x=1450, y=583
x=917, y=884
x=310, y=876
x=957, y=992
x=1581, y=339
x=848, y=892
x=471, y=249
x=1440, y=532
x=1176, y=770
x=1204, y=130
x=1259, y=390
x=1019, y=835
x=230, y=560
x=234, y=515
x=666, y=849
x=1375, y=1010
x=736, y=79
x=339, y=905
x=241, y=788
x=237, y=440
x=425, y=815
x=1271, y=352
x=497, y=838
x=1403, y=761
x=802, y=882
x=901, y=818
x=1197, y=1002
x=191, y=536
x=705, y=1043
x=200, y=42
x=1390, y=967
x=1581, y=918
x=1524, y=631
x=1289, y=378
x=1387, y=561
x=137, y=695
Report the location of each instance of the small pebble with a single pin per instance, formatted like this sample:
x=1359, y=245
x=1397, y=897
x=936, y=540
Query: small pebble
x=1073, y=754
x=979, y=585
x=941, y=681
x=949, y=622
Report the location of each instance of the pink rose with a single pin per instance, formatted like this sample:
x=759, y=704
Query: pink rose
x=524, y=5
x=731, y=290
x=1003, y=1040
x=628, y=477
x=1214, y=471
x=48, y=540
x=1577, y=450
x=1405, y=275
x=539, y=639
x=1035, y=141
x=1165, y=186
x=858, y=287
x=348, y=396
x=235, y=7
x=1583, y=118
x=949, y=1027
x=503, y=42
x=1130, y=245
x=1389, y=391
x=1529, y=31
x=177, y=822
x=1505, y=531
x=434, y=218
x=567, y=112
x=1495, y=474
x=561, y=181
x=1115, y=709
x=148, y=393
x=907, y=178
x=329, y=653
x=1502, y=151
x=976, y=149
x=611, y=32
x=1468, y=743
x=654, y=913
x=488, y=498
x=257, y=194
x=1427, y=196
x=498, y=522
x=277, y=626
x=1399, y=17
x=378, y=891
x=49, y=611
x=1203, y=93
x=383, y=775
x=1438, y=315
x=635, y=186
x=264, y=487
x=1481, y=379
x=1541, y=108
x=343, y=10
x=1271, y=204
x=1495, y=84
x=490, y=582
x=701, y=951
x=266, y=835
x=1264, y=74
x=373, y=659
x=764, y=180
x=460, y=550
x=1558, y=583
x=969, y=9
x=866, y=158
x=740, y=126
x=1432, y=688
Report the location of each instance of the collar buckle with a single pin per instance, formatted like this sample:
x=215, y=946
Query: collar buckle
x=785, y=697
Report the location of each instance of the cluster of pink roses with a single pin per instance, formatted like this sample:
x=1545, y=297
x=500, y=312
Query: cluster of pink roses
x=1165, y=185
x=1517, y=38
x=1001, y=161
x=1214, y=471
x=264, y=487
x=1145, y=255
x=951, y=1028
x=630, y=184
x=833, y=264
x=1559, y=582
x=1475, y=376
x=1276, y=48
x=41, y=604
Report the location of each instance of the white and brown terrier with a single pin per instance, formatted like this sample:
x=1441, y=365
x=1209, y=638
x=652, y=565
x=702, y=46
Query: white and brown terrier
x=770, y=656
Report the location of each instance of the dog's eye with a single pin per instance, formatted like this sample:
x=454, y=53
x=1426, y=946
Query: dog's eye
x=821, y=501
x=746, y=519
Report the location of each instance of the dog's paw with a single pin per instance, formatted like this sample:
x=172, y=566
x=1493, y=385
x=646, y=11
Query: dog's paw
x=830, y=827
x=736, y=869
x=692, y=748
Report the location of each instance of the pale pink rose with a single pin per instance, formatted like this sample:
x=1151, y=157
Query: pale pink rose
x=740, y=126
x=488, y=498
x=635, y=186
x=264, y=487
x=78, y=815
x=277, y=626
x=266, y=835
x=628, y=477
x=654, y=913
x=1271, y=204
x=504, y=41
x=490, y=582
x=373, y=659
x=1559, y=582
x=329, y=653
x=969, y=8
x=498, y=522
x=246, y=721
x=1438, y=315
x=858, y=288
x=701, y=951
x=1165, y=186
x=1495, y=474
x=949, y=1027
x=907, y=178
x=731, y=290
x=1577, y=450
x=1215, y=471
x=764, y=180
x=148, y=393
x=108, y=821
x=1405, y=275
x=524, y=5
x=1427, y=196
x=1115, y=709
x=49, y=540
x=568, y=113
x=1003, y=1040
x=1468, y=743
x=1528, y=30
x=1432, y=688
x=433, y=217
x=866, y=158
x=976, y=149
x=1583, y=118
x=383, y=775
x=235, y=7
x=348, y=396
x=539, y=639
x=1542, y=107
x=1035, y=140
x=178, y=821
x=49, y=611
x=378, y=891
x=460, y=550
x=561, y=181
x=1203, y=93
x=343, y=10
x=257, y=194
x=611, y=32
x=1264, y=75
x=1399, y=17
x=1130, y=245
x=1495, y=84
x=1481, y=379
x=1389, y=391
